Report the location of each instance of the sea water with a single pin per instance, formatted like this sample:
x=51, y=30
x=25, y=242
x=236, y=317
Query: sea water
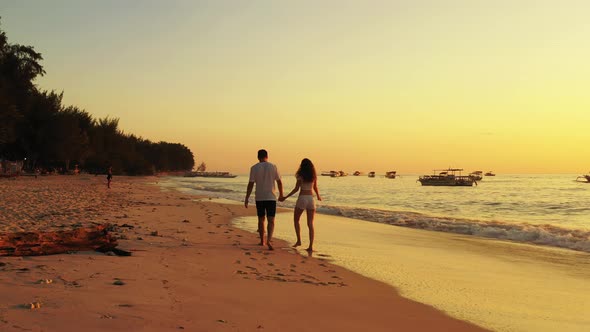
x=552, y=210
x=510, y=254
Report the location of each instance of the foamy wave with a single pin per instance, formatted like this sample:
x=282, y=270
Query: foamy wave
x=549, y=235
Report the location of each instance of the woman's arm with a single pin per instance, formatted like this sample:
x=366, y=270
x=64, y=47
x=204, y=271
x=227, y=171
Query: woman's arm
x=317, y=192
x=296, y=189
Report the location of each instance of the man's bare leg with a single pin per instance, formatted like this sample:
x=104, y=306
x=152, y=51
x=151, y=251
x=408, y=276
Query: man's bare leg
x=296, y=216
x=261, y=230
x=270, y=230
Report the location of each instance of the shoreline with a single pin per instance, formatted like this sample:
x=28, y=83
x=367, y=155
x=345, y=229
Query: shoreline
x=191, y=269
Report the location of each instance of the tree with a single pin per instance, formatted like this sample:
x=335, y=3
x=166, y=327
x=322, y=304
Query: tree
x=35, y=125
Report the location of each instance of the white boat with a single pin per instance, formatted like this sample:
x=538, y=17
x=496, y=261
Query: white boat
x=210, y=174
x=583, y=178
x=391, y=174
x=447, y=177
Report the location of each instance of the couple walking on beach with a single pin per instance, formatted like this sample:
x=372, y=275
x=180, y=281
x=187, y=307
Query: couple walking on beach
x=264, y=174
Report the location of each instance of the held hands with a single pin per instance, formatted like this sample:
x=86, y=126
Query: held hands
x=282, y=198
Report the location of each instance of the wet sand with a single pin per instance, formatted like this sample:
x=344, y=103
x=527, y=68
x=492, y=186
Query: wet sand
x=190, y=270
x=501, y=285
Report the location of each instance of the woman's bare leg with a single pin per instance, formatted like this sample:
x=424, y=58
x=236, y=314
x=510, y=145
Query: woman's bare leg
x=296, y=216
x=310, y=215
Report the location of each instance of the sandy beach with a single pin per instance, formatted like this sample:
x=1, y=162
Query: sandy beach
x=190, y=269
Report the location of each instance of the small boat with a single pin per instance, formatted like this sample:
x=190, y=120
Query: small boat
x=490, y=173
x=339, y=174
x=477, y=175
x=356, y=173
x=447, y=177
x=391, y=174
x=371, y=174
x=330, y=173
x=210, y=174
x=583, y=178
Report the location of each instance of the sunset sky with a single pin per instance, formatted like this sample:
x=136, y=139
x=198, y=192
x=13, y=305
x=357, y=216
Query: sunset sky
x=353, y=85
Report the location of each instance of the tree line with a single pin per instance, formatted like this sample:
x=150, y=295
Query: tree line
x=35, y=126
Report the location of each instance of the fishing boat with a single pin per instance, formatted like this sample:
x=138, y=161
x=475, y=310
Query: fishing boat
x=371, y=174
x=210, y=174
x=391, y=174
x=477, y=175
x=490, y=173
x=447, y=177
x=583, y=178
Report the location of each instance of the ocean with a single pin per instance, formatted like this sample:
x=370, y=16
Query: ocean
x=510, y=254
x=551, y=210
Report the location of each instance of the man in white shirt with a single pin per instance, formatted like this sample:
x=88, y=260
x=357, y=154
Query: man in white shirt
x=264, y=175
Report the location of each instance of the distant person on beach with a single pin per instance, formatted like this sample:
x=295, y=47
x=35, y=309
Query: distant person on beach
x=307, y=181
x=264, y=175
x=109, y=176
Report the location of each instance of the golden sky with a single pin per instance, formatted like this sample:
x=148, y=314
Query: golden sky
x=352, y=85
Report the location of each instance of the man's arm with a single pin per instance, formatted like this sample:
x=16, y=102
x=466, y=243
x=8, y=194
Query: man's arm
x=280, y=186
x=248, y=193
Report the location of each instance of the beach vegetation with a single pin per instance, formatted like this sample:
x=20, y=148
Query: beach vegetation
x=36, y=127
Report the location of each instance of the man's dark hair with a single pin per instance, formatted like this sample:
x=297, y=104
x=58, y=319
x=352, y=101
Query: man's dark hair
x=262, y=154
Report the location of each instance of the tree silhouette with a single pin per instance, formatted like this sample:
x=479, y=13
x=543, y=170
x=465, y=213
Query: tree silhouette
x=35, y=125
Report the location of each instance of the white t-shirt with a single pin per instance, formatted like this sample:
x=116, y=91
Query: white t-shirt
x=264, y=174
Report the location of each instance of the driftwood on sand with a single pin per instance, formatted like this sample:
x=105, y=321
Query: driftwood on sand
x=57, y=242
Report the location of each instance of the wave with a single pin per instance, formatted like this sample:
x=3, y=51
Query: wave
x=542, y=234
x=538, y=234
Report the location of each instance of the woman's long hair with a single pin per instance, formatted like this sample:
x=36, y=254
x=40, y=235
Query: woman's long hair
x=307, y=171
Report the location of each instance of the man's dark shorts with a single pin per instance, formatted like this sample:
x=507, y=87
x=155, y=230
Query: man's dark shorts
x=266, y=207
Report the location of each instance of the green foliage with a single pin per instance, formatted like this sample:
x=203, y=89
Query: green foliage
x=36, y=125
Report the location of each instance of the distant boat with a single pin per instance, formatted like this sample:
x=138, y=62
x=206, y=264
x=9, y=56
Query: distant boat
x=477, y=175
x=330, y=173
x=339, y=174
x=356, y=173
x=490, y=173
x=447, y=177
x=391, y=174
x=584, y=178
x=210, y=174
x=371, y=174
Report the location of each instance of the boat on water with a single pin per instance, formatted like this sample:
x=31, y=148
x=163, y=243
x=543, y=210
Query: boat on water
x=490, y=173
x=447, y=177
x=476, y=175
x=210, y=174
x=391, y=174
x=584, y=178
x=356, y=173
x=330, y=173
x=371, y=174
